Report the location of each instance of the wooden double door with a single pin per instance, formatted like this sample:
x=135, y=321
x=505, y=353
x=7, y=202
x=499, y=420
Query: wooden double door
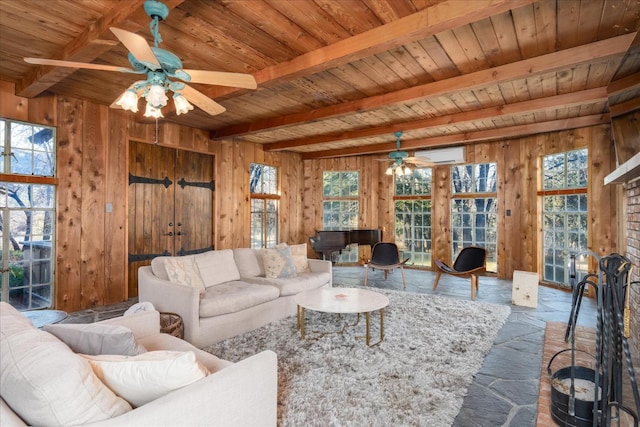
x=171, y=194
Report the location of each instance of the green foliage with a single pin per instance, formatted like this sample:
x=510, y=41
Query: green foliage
x=16, y=276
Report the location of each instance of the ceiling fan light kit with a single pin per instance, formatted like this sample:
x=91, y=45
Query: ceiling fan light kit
x=160, y=66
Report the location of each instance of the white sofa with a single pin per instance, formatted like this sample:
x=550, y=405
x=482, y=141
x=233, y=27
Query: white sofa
x=236, y=295
x=42, y=376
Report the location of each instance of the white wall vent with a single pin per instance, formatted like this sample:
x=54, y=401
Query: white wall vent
x=443, y=156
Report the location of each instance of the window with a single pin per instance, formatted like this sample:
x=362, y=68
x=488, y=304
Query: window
x=27, y=210
x=413, y=216
x=473, y=210
x=564, y=210
x=340, y=205
x=263, y=185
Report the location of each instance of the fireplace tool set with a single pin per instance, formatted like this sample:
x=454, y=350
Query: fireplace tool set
x=595, y=396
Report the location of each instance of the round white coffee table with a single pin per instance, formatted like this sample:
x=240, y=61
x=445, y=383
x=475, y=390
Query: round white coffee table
x=342, y=301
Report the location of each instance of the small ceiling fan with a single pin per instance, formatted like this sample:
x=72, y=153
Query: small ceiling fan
x=400, y=160
x=160, y=67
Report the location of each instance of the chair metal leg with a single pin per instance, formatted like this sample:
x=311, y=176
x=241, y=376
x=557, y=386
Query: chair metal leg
x=366, y=273
x=435, y=284
x=404, y=284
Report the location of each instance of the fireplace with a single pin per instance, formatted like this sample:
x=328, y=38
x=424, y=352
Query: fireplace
x=632, y=232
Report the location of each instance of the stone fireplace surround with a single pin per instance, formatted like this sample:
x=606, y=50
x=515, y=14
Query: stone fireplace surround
x=632, y=231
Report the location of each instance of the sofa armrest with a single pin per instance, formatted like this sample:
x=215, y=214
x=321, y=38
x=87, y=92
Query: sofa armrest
x=142, y=324
x=321, y=266
x=243, y=394
x=170, y=297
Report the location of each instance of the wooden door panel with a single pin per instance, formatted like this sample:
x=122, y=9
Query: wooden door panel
x=194, y=202
x=151, y=196
x=170, y=204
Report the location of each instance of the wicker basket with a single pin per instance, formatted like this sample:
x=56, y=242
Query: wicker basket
x=172, y=324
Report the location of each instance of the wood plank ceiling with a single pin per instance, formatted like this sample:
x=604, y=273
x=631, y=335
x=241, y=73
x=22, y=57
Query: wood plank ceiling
x=339, y=77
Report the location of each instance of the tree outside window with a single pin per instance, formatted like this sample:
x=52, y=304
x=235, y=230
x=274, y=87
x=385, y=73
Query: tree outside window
x=263, y=186
x=412, y=202
x=564, y=214
x=341, y=206
x=27, y=214
x=474, y=220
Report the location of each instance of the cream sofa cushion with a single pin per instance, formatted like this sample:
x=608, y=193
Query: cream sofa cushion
x=45, y=382
x=299, y=256
x=293, y=285
x=278, y=262
x=184, y=271
x=249, y=262
x=157, y=266
x=235, y=296
x=146, y=377
x=217, y=267
x=169, y=342
x=96, y=338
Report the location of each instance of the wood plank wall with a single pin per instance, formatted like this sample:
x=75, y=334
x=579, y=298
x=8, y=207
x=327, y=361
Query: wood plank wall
x=92, y=156
x=518, y=183
x=91, y=256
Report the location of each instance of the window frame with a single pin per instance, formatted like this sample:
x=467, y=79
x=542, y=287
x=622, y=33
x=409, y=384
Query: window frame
x=267, y=200
x=475, y=193
x=565, y=192
x=411, y=191
x=29, y=180
x=348, y=205
x=352, y=198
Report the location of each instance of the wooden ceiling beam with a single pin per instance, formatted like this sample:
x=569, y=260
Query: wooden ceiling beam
x=88, y=46
x=573, y=99
x=427, y=22
x=630, y=82
x=625, y=107
x=600, y=50
x=466, y=137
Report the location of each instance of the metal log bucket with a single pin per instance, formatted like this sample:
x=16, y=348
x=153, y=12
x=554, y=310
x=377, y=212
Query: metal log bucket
x=567, y=409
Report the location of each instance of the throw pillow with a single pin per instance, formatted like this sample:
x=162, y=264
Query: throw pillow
x=299, y=255
x=96, y=338
x=45, y=383
x=217, y=267
x=278, y=263
x=184, y=271
x=144, y=378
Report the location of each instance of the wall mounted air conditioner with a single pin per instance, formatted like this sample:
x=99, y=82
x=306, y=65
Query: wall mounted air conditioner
x=443, y=156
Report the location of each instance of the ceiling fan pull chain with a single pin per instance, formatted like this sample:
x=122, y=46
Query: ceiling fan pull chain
x=156, y=141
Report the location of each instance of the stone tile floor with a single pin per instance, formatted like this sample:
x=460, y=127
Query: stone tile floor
x=505, y=391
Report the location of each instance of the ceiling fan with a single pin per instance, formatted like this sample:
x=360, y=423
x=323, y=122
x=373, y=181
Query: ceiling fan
x=400, y=160
x=160, y=67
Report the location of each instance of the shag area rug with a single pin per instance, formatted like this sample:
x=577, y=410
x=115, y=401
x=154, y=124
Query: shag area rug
x=418, y=375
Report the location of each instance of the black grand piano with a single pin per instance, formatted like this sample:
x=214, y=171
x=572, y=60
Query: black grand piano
x=330, y=241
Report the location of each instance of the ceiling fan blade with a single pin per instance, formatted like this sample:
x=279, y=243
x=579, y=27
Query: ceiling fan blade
x=138, y=47
x=220, y=78
x=419, y=161
x=71, y=64
x=202, y=101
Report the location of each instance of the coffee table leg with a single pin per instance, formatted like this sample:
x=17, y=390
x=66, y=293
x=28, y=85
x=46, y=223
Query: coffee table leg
x=367, y=336
x=301, y=321
x=367, y=316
